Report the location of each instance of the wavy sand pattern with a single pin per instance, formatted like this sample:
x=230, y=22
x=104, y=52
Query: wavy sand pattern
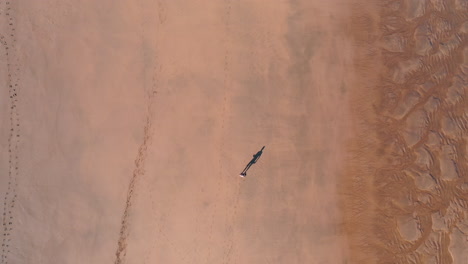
x=412, y=166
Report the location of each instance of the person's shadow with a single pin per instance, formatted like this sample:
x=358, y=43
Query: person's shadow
x=253, y=161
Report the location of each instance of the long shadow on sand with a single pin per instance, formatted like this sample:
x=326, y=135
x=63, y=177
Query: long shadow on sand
x=253, y=161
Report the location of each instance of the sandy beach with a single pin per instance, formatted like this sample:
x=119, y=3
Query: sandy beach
x=125, y=125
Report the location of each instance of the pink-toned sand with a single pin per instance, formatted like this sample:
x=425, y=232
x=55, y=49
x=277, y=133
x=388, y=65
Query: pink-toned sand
x=127, y=124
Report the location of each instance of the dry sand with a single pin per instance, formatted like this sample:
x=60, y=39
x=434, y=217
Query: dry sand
x=125, y=125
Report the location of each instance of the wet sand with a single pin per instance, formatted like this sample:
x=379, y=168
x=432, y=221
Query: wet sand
x=405, y=194
x=125, y=126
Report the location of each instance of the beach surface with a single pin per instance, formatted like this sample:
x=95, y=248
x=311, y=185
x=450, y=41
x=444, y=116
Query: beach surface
x=125, y=126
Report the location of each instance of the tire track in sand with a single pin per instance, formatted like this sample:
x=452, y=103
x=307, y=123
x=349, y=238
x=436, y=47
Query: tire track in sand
x=140, y=161
x=12, y=67
x=149, y=188
x=158, y=226
x=137, y=173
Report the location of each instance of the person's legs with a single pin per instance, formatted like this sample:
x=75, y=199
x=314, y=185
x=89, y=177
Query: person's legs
x=248, y=167
x=244, y=172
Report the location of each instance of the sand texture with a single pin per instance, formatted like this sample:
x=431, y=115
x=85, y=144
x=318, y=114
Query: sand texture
x=124, y=126
x=406, y=189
